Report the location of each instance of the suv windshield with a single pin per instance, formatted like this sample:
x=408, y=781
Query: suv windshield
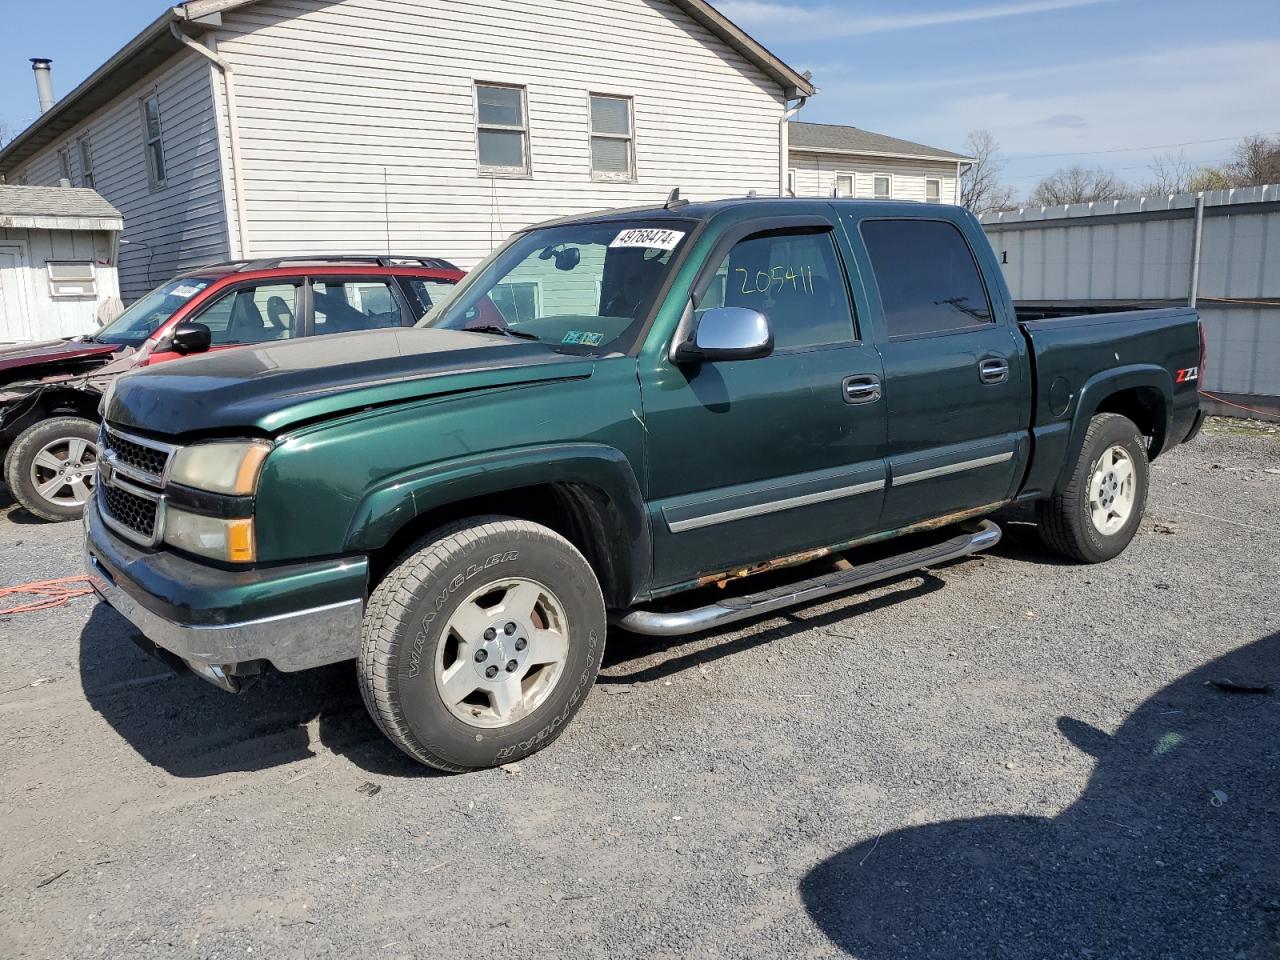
x=583, y=287
x=142, y=319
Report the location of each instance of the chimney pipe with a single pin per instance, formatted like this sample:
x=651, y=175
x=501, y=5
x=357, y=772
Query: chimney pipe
x=44, y=82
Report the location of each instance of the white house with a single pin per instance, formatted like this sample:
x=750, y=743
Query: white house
x=57, y=261
x=827, y=158
x=234, y=129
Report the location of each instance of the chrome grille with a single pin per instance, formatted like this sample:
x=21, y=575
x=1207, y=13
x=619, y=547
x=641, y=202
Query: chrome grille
x=138, y=457
x=136, y=512
x=132, y=472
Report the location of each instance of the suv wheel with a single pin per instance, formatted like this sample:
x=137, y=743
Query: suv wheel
x=482, y=643
x=1097, y=514
x=50, y=468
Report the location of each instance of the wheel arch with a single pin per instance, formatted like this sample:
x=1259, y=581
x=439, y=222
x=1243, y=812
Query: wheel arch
x=588, y=493
x=1141, y=392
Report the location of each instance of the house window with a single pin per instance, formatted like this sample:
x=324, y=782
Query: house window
x=883, y=186
x=502, y=130
x=86, y=162
x=612, y=156
x=64, y=164
x=156, y=172
x=516, y=301
x=844, y=184
x=933, y=191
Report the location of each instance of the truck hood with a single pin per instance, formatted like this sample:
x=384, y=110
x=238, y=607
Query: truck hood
x=272, y=387
x=24, y=361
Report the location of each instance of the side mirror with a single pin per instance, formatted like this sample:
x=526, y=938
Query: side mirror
x=727, y=333
x=191, y=338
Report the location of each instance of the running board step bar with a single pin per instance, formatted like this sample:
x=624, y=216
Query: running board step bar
x=670, y=624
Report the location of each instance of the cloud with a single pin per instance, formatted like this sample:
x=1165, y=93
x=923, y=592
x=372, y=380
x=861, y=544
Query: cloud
x=787, y=21
x=1072, y=120
x=1129, y=101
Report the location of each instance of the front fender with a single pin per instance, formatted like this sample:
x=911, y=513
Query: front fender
x=1103, y=385
x=387, y=508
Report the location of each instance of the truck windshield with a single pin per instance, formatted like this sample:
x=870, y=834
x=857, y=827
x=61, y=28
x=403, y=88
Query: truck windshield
x=586, y=287
x=145, y=316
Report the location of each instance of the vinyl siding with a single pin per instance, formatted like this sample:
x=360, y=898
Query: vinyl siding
x=167, y=230
x=816, y=175
x=338, y=99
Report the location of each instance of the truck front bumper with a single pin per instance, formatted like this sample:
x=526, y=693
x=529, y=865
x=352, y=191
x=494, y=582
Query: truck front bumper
x=222, y=623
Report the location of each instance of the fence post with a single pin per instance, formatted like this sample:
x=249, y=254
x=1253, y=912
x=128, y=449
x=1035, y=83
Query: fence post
x=1197, y=235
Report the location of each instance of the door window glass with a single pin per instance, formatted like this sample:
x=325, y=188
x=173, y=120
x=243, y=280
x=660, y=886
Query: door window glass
x=256, y=314
x=427, y=291
x=795, y=280
x=345, y=305
x=928, y=280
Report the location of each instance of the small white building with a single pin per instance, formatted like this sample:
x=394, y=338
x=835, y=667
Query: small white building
x=57, y=261
x=235, y=129
x=827, y=158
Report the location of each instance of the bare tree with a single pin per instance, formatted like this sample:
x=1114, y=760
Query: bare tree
x=980, y=187
x=1254, y=161
x=1170, y=173
x=1079, y=185
x=6, y=133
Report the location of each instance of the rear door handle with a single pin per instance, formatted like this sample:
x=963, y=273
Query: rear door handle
x=993, y=370
x=861, y=388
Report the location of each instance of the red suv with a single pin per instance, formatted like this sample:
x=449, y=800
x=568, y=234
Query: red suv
x=49, y=392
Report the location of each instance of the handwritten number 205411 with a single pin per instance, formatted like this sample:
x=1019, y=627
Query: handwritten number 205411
x=800, y=279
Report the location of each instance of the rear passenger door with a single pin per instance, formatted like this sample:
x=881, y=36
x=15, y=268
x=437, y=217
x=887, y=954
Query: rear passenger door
x=352, y=304
x=956, y=400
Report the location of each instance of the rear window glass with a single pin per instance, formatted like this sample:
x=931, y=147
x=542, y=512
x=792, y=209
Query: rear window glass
x=927, y=277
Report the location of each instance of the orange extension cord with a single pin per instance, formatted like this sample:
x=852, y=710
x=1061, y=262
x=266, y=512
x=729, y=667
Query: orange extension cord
x=1238, y=406
x=49, y=593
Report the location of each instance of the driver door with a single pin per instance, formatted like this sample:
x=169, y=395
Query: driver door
x=751, y=460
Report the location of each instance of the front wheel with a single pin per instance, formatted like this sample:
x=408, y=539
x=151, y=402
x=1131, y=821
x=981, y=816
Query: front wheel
x=50, y=467
x=1097, y=513
x=482, y=643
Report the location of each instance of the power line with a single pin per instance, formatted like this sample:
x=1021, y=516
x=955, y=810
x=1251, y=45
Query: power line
x=1153, y=146
x=1141, y=166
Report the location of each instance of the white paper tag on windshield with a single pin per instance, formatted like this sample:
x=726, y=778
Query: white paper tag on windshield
x=188, y=290
x=648, y=238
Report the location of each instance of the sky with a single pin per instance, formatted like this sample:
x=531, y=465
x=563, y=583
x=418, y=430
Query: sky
x=1112, y=83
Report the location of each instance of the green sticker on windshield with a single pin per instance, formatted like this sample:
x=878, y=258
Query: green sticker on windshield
x=586, y=338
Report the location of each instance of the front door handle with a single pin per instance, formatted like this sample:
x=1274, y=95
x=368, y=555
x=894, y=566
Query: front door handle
x=993, y=370
x=861, y=388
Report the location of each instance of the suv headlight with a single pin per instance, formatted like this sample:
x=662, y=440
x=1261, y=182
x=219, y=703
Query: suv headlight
x=223, y=466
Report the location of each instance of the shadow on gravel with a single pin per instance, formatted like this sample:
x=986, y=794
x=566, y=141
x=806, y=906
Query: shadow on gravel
x=624, y=647
x=1148, y=863
x=190, y=728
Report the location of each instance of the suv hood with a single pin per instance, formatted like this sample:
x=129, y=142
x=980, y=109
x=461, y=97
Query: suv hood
x=23, y=361
x=272, y=387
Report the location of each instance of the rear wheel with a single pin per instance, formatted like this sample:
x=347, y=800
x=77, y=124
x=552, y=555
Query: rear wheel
x=50, y=468
x=482, y=643
x=1097, y=513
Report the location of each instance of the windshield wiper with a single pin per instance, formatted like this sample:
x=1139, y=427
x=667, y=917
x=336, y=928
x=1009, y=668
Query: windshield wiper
x=494, y=328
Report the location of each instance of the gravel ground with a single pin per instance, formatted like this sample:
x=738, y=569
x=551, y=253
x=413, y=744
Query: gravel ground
x=1003, y=757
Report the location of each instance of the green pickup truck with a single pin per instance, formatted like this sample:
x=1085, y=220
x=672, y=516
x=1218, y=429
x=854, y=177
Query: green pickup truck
x=666, y=419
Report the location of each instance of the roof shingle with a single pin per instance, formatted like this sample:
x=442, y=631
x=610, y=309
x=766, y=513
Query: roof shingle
x=830, y=136
x=18, y=201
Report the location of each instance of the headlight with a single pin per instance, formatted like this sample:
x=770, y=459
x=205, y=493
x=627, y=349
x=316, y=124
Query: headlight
x=230, y=467
x=216, y=537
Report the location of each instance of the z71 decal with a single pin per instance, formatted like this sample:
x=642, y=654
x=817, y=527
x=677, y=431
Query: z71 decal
x=1187, y=374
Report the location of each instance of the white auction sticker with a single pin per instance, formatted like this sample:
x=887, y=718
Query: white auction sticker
x=648, y=238
x=188, y=290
